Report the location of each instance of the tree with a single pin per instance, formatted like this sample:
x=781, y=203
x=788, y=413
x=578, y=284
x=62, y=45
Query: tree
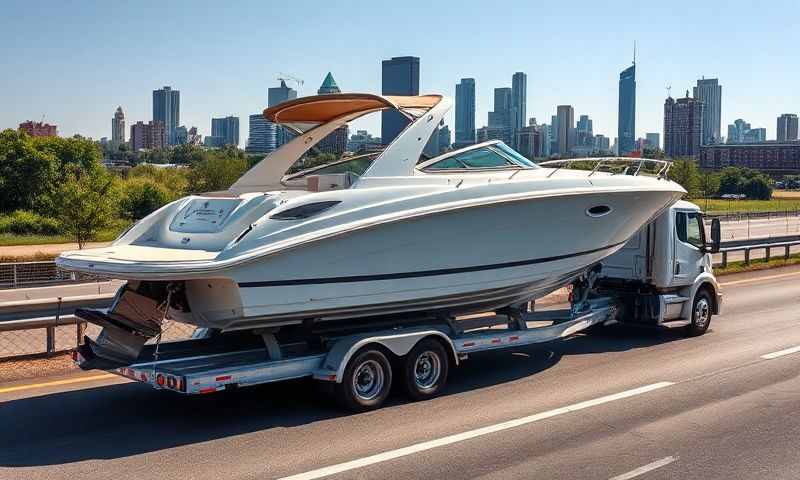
x=215, y=172
x=141, y=196
x=26, y=173
x=685, y=173
x=708, y=185
x=86, y=200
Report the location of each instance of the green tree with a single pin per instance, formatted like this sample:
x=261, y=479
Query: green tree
x=142, y=196
x=708, y=185
x=686, y=173
x=215, y=172
x=86, y=201
x=186, y=154
x=26, y=173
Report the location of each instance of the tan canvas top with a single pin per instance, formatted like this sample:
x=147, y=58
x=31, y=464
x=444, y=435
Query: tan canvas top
x=324, y=108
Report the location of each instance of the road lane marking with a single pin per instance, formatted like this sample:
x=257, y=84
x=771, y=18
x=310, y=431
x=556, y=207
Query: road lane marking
x=780, y=353
x=460, y=437
x=645, y=468
x=760, y=279
x=54, y=383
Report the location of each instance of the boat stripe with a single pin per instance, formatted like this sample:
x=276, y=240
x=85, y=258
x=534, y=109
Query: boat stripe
x=421, y=273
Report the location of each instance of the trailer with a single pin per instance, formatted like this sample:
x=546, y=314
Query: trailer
x=646, y=283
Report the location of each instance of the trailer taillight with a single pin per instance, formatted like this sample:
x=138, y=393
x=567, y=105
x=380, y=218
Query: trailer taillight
x=160, y=380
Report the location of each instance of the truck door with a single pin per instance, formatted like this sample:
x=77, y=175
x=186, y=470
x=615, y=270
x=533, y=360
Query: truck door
x=689, y=242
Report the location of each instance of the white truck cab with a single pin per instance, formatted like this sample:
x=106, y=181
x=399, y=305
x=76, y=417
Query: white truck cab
x=664, y=273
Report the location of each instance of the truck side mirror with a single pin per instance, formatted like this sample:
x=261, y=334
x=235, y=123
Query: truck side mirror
x=716, y=236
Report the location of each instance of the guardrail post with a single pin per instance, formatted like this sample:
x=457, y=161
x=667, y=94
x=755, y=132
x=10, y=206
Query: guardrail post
x=14, y=280
x=51, y=339
x=80, y=330
x=767, y=254
x=724, y=259
x=747, y=256
x=786, y=252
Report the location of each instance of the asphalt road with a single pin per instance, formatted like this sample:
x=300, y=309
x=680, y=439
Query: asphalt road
x=622, y=404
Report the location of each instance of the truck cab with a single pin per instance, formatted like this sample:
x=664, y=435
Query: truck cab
x=664, y=274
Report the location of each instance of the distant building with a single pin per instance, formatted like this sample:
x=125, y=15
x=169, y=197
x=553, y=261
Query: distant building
x=626, y=112
x=768, y=157
x=484, y=134
x=227, y=129
x=280, y=94
x=602, y=144
x=566, y=129
x=709, y=91
x=741, y=132
x=399, y=76
x=363, y=141
x=545, y=140
x=38, y=129
x=529, y=140
x=584, y=134
x=465, y=112
x=167, y=110
x=653, y=140
x=501, y=115
x=683, y=126
x=554, y=135
x=262, y=137
x=214, y=142
x=444, y=138
x=328, y=86
x=787, y=127
x=149, y=136
x=193, y=138
x=519, y=99
x=118, y=128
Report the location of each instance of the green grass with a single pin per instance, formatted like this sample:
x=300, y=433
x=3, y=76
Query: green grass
x=758, y=264
x=717, y=205
x=107, y=235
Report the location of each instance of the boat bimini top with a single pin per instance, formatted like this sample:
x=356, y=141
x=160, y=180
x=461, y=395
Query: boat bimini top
x=313, y=118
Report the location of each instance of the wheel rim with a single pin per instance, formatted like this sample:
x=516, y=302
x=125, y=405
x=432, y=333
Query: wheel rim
x=368, y=380
x=427, y=370
x=701, y=313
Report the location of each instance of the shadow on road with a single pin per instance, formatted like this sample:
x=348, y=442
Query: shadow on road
x=122, y=420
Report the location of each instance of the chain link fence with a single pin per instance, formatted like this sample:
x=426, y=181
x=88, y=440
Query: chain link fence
x=30, y=274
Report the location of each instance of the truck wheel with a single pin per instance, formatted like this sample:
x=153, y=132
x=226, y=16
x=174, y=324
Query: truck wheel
x=425, y=369
x=701, y=314
x=366, y=382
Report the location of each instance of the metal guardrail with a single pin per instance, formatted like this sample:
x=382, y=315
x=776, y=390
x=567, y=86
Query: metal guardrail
x=23, y=274
x=766, y=244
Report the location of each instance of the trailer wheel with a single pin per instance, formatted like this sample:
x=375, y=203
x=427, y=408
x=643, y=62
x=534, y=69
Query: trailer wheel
x=425, y=369
x=701, y=314
x=366, y=382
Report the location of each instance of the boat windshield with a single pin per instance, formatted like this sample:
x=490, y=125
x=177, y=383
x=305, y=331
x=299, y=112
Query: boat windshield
x=492, y=156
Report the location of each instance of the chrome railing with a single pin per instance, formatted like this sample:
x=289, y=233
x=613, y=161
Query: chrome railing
x=628, y=165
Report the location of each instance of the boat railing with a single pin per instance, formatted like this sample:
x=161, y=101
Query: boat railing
x=613, y=165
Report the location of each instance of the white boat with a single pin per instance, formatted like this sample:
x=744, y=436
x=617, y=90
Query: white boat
x=472, y=230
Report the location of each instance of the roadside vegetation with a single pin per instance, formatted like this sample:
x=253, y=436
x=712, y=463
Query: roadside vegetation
x=758, y=264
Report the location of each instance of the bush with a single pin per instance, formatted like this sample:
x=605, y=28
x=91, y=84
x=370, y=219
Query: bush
x=141, y=196
x=23, y=222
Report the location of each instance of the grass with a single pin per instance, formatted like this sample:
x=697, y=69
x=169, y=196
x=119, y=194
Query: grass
x=758, y=264
x=10, y=239
x=776, y=204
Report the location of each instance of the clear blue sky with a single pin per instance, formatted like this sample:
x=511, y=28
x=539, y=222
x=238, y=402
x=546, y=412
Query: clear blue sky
x=75, y=63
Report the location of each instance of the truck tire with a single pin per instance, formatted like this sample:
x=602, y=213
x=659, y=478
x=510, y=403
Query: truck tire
x=366, y=381
x=425, y=369
x=700, y=315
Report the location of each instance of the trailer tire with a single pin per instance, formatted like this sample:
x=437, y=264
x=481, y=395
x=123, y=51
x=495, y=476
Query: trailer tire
x=700, y=315
x=366, y=382
x=425, y=369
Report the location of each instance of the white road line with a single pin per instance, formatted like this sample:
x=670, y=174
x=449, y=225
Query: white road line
x=460, y=437
x=645, y=468
x=780, y=353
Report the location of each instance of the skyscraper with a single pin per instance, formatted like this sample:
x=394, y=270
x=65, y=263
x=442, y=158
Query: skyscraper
x=118, y=128
x=399, y=76
x=149, y=136
x=263, y=135
x=653, y=140
x=683, y=126
x=554, y=134
x=626, y=117
x=709, y=91
x=500, y=118
x=167, y=110
x=566, y=129
x=465, y=112
x=787, y=127
x=276, y=95
x=328, y=85
x=519, y=99
x=225, y=129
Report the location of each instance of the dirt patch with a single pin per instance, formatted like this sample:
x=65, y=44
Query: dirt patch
x=41, y=252
x=58, y=364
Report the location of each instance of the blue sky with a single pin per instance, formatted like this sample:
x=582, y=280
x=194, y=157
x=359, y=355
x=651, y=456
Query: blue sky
x=75, y=63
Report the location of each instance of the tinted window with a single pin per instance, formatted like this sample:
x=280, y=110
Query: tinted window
x=447, y=163
x=516, y=156
x=483, y=158
x=689, y=228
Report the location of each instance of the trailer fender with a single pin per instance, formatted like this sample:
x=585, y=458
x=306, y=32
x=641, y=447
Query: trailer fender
x=399, y=344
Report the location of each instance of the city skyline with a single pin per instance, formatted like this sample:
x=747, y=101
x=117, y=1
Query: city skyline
x=99, y=70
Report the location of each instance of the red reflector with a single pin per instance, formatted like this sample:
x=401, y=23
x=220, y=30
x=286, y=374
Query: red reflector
x=207, y=390
x=160, y=380
x=469, y=344
x=223, y=378
x=331, y=378
x=495, y=340
x=513, y=339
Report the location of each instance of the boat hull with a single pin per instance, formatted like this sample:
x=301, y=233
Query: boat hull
x=458, y=262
